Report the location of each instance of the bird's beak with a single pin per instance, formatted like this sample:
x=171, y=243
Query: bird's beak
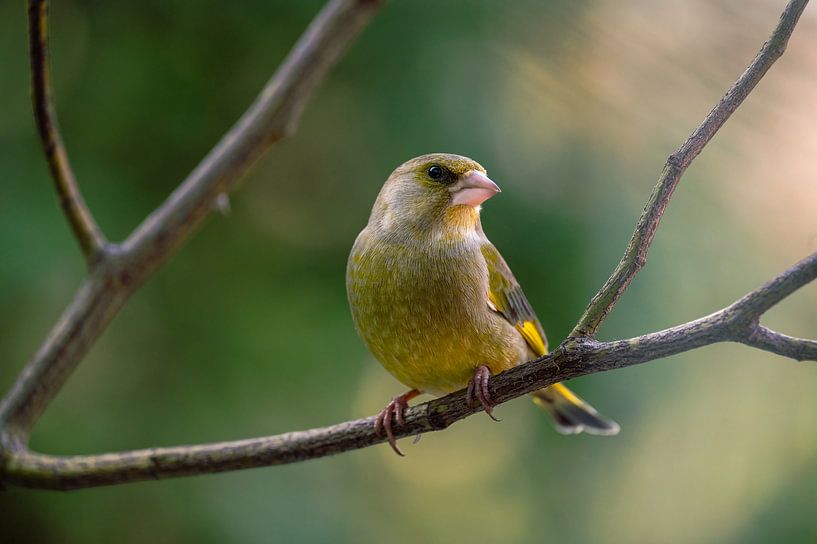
x=473, y=189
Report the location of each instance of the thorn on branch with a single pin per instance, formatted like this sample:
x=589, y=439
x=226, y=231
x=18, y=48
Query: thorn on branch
x=222, y=204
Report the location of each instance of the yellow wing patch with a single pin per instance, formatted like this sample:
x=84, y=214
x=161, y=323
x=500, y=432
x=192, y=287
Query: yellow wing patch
x=531, y=334
x=569, y=395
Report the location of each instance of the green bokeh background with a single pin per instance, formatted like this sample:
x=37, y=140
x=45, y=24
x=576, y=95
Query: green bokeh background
x=572, y=107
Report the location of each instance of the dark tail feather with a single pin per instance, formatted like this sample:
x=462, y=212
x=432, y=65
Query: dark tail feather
x=571, y=414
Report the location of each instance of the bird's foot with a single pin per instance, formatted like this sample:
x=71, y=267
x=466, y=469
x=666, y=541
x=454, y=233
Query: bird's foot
x=478, y=387
x=394, y=409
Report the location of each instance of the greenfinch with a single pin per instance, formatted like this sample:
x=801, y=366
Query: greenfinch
x=436, y=303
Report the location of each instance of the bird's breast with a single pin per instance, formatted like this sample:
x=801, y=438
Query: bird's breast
x=422, y=310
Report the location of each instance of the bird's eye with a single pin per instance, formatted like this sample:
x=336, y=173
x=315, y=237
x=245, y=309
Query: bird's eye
x=435, y=172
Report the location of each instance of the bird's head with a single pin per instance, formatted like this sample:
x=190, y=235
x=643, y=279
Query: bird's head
x=434, y=188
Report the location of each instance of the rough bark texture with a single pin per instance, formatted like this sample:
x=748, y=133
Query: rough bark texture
x=118, y=270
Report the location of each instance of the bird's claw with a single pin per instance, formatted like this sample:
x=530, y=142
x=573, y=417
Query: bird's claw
x=383, y=422
x=478, y=387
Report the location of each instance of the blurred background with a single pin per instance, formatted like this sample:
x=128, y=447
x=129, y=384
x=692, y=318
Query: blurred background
x=573, y=108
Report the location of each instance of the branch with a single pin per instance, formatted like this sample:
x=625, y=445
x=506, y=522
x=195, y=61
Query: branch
x=271, y=117
x=87, y=232
x=274, y=116
x=799, y=349
x=120, y=270
x=635, y=256
x=576, y=357
x=747, y=312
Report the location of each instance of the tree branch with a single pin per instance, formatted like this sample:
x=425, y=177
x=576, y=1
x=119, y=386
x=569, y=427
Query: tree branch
x=119, y=270
x=799, y=349
x=747, y=312
x=576, y=357
x=635, y=256
x=87, y=232
x=272, y=116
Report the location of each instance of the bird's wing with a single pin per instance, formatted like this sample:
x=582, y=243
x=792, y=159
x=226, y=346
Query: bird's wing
x=505, y=297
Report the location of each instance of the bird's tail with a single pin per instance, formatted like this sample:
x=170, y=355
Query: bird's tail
x=571, y=414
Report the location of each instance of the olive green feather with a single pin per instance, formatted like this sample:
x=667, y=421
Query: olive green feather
x=433, y=299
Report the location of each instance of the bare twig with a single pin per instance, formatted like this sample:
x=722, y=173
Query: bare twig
x=799, y=349
x=577, y=357
x=635, y=256
x=90, y=237
x=124, y=268
x=121, y=269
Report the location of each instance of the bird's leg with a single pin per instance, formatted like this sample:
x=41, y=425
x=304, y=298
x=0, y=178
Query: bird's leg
x=395, y=408
x=478, y=387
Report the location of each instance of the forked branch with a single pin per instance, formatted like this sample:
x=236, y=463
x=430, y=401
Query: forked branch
x=121, y=269
x=635, y=256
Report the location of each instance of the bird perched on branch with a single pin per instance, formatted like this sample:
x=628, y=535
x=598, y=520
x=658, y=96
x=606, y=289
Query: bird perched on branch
x=436, y=303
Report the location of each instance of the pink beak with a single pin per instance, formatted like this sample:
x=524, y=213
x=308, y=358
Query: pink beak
x=473, y=189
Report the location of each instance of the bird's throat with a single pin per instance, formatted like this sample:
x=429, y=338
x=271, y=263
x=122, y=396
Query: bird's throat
x=461, y=221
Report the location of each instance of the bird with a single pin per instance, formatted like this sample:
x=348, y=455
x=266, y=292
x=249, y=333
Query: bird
x=435, y=302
